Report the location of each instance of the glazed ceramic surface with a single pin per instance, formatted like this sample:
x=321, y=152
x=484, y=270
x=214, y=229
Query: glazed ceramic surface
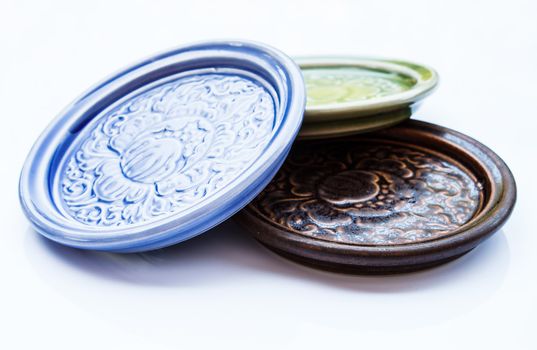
x=401, y=199
x=345, y=94
x=165, y=149
x=338, y=128
x=343, y=85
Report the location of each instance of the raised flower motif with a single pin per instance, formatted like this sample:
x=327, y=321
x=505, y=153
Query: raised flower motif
x=165, y=149
x=368, y=194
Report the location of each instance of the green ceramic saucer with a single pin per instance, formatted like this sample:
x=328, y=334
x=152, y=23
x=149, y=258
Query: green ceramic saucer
x=347, y=95
x=344, y=127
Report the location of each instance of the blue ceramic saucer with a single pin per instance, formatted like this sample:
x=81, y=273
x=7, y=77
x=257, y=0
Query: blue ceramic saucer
x=165, y=149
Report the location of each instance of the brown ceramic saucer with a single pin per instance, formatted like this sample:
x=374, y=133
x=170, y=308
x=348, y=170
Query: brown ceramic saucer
x=401, y=199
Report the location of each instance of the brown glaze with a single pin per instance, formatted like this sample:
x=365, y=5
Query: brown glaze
x=371, y=192
x=400, y=199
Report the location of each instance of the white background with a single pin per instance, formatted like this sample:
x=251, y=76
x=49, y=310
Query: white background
x=222, y=289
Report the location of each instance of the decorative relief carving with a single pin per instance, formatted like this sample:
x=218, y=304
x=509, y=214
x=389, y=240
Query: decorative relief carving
x=166, y=149
x=368, y=193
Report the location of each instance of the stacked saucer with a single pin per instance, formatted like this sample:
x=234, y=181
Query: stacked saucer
x=172, y=146
x=355, y=95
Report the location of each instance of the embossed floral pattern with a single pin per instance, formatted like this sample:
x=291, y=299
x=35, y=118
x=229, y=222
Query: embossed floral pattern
x=368, y=193
x=165, y=149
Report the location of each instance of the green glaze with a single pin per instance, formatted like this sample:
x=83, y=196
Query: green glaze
x=425, y=73
x=330, y=85
x=338, y=128
x=348, y=95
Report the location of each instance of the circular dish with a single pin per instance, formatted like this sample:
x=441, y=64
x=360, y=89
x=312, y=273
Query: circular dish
x=397, y=200
x=346, y=95
x=166, y=149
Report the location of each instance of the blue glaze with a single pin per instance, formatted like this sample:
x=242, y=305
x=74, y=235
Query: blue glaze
x=159, y=152
x=164, y=150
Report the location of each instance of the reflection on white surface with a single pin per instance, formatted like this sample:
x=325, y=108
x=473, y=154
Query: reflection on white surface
x=224, y=279
x=227, y=254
